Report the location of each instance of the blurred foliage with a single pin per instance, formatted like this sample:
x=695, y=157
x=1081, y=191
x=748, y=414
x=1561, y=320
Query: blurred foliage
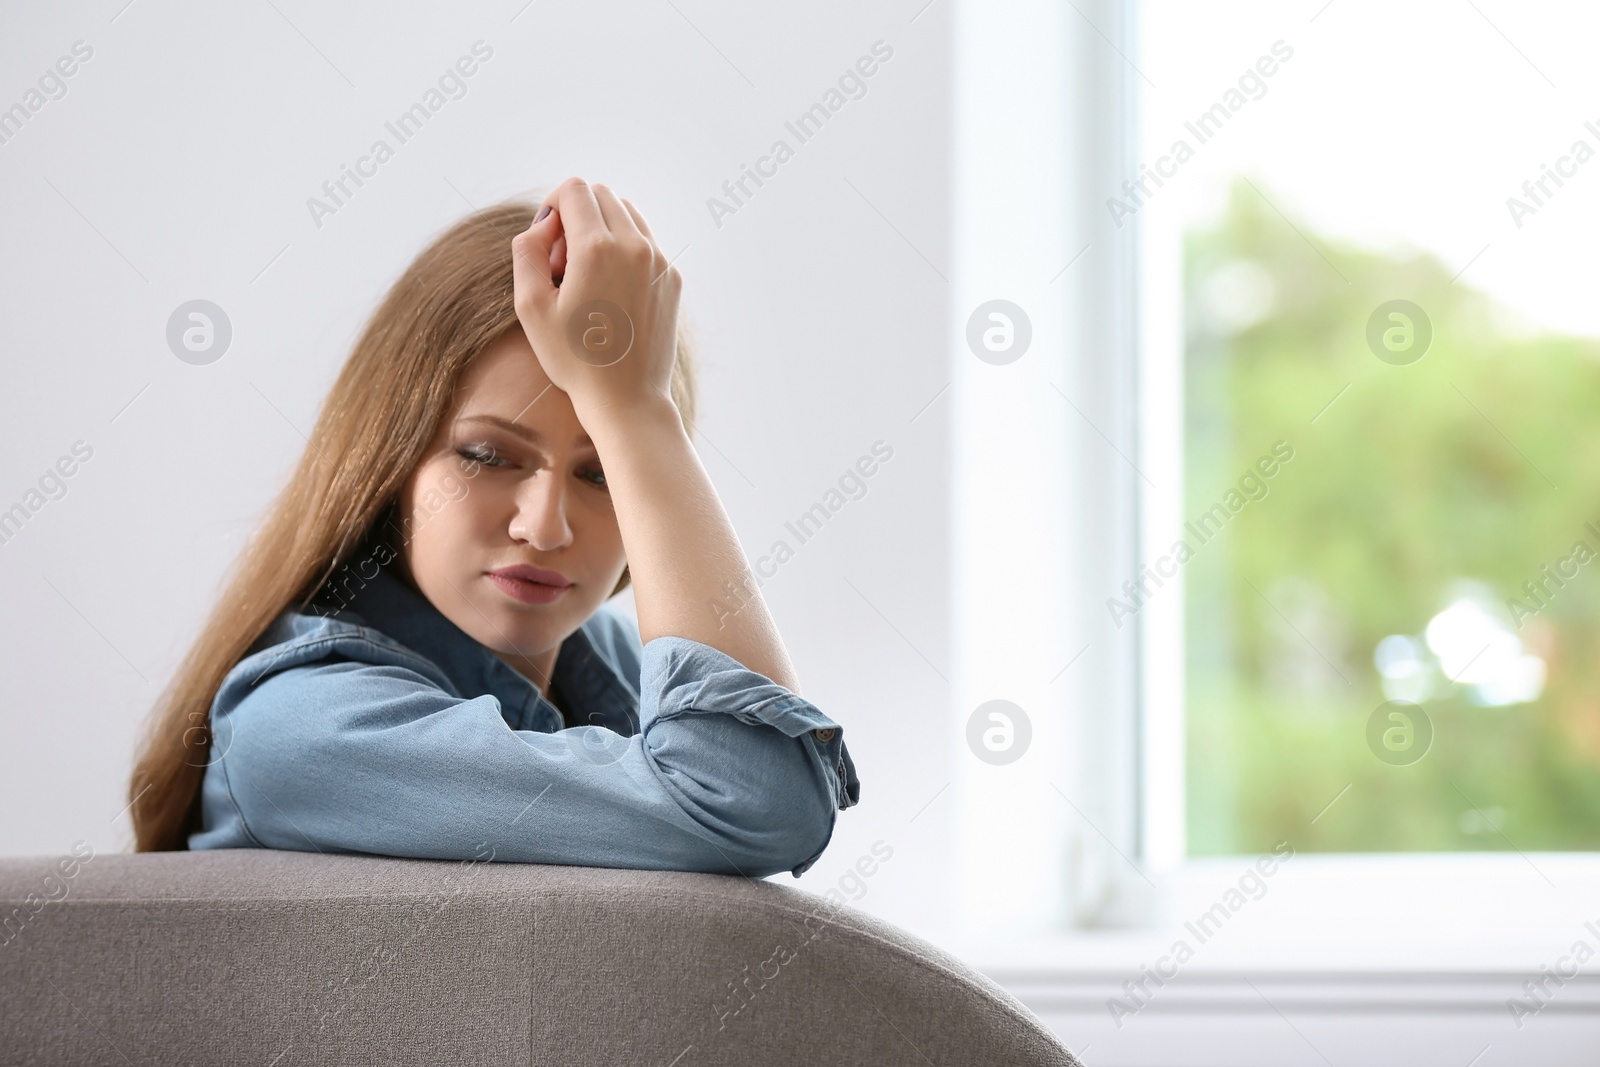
x=1415, y=478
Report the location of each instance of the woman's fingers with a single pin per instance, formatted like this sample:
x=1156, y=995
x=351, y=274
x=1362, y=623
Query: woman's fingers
x=558, y=259
x=618, y=219
x=631, y=228
x=533, y=255
x=569, y=212
x=644, y=228
x=580, y=213
x=638, y=220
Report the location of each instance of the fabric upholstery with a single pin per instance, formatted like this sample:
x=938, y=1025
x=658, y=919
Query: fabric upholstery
x=281, y=958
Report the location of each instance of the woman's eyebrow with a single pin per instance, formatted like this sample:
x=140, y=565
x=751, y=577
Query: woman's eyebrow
x=527, y=433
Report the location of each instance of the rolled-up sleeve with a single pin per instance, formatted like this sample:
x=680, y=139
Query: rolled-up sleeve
x=730, y=772
x=732, y=743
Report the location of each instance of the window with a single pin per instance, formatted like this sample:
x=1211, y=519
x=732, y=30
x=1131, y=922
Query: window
x=1391, y=484
x=1336, y=348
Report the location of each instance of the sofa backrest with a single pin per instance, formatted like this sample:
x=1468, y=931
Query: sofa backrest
x=271, y=957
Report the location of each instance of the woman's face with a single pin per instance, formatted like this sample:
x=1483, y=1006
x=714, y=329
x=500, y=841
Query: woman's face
x=511, y=479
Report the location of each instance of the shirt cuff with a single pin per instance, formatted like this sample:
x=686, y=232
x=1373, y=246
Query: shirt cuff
x=693, y=678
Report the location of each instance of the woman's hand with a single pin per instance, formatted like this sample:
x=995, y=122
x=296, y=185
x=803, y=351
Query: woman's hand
x=604, y=330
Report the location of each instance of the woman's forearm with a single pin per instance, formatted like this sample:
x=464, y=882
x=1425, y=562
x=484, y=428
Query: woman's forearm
x=690, y=578
x=689, y=574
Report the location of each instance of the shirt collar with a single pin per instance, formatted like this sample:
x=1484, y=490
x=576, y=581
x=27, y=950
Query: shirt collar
x=591, y=686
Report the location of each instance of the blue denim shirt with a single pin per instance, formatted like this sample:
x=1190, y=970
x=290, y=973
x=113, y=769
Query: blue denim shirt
x=381, y=727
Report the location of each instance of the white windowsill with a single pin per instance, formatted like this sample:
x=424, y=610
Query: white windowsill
x=1403, y=914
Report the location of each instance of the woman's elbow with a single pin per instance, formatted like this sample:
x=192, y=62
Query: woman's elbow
x=795, y=827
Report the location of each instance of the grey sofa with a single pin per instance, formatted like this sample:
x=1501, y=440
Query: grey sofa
x=254, y=956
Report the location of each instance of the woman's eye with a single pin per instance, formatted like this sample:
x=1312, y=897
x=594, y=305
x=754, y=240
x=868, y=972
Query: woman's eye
x=480, y=454
x=601, y=475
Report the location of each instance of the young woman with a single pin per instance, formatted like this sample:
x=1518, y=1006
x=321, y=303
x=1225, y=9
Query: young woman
x=414, y=656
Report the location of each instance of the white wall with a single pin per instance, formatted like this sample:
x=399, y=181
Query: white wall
x=178, y=166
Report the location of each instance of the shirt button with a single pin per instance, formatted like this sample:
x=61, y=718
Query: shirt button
x=824, y=734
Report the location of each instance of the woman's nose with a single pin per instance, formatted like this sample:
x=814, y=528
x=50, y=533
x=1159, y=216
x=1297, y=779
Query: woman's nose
x=541, y=516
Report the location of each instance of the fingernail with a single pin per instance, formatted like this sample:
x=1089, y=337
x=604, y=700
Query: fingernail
x=542, y=213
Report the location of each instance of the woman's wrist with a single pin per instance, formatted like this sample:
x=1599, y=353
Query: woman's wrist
x=607, y=419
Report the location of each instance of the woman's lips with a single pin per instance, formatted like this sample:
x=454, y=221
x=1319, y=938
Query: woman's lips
x=527, y=592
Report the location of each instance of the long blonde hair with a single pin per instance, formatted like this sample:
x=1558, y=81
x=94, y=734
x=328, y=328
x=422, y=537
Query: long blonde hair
x=452, y=302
